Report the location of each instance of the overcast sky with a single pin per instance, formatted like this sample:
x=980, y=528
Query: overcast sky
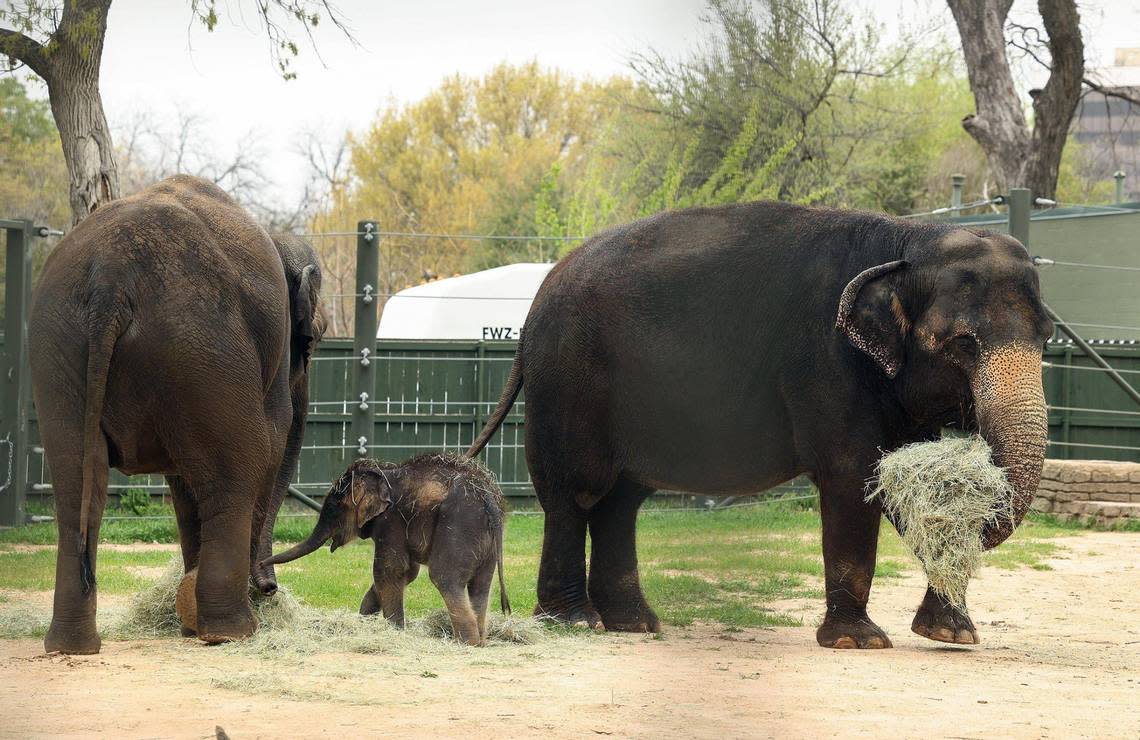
x=155, y=60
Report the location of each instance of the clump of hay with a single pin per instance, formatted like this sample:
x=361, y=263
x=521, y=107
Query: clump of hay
x=940, y=495
x=23, y=622
x=289, y=626
x=151, y=612
x=500, y=628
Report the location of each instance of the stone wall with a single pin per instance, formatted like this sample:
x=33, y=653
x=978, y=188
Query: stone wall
x=1093, y=491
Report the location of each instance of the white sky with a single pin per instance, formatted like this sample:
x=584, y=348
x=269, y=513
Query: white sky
x=155, y=60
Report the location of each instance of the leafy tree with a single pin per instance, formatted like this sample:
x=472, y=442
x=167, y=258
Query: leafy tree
x=62, y=42
x=787, y=99
x=34, y=185
x=475, y=156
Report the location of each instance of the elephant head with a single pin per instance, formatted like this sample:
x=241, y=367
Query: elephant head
x=957, y=326
x=352, y=503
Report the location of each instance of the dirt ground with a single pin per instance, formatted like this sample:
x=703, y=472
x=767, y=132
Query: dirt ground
x=1060, y=657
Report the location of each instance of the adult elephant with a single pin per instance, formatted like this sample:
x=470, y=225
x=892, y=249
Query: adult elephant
x=725, y=350
x=170, y=334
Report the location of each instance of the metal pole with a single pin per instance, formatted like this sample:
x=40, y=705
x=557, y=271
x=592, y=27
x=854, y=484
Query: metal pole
x=1019, y=214
x=17, y=384
x=364, y=342
x=956, y=184
x=1092, y=354
x=1119, y=177
x=294, y=493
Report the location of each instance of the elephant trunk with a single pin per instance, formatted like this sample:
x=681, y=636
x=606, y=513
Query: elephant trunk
x=326, y=525
x=1010, y=405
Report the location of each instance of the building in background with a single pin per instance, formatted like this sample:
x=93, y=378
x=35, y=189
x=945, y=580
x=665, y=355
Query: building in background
x=1109, y=127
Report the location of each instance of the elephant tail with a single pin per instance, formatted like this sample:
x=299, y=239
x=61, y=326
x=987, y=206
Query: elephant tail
x=100, y=347
x=510, y=393
x=504, y=602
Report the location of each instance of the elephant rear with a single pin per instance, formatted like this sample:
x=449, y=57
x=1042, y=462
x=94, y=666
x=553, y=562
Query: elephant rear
x=158, y=336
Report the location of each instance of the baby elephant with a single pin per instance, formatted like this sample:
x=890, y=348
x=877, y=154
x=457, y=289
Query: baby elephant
x=442, y=511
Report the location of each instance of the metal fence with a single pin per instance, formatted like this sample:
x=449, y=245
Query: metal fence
x=393, y=399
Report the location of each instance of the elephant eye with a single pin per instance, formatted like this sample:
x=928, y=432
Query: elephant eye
x=964, y=346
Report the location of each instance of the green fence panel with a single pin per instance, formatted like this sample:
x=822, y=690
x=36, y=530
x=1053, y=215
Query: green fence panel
x=435, y=396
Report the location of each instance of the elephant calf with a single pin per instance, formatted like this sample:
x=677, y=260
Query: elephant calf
x=442, y=511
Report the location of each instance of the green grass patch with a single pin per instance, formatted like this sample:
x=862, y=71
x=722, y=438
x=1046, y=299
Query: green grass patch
x=726, y=566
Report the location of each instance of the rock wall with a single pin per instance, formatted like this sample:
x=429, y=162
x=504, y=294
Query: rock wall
x=1097, y=492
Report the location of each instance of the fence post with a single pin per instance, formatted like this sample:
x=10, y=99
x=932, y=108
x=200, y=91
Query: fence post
x=956, y=184
x=1067, y=402
x=364, y=342
x=1119, y=177
x=1019, y=214
x=17, y=384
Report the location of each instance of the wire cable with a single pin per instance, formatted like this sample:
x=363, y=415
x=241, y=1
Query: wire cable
x=1094, y=369
x=1047, y=262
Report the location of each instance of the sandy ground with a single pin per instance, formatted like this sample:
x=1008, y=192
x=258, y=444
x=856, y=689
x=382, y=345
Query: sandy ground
x=1060, y=658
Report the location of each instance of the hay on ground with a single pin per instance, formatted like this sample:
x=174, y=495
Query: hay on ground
x=290, y=626
x=941, y=495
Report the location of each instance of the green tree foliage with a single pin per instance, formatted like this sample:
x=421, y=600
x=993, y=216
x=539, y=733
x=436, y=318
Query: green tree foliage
x=785, y=99
x=34, y=185
x=476, y=156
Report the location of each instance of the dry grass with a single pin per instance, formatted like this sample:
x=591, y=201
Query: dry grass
x=941, y=494
x=291, y=627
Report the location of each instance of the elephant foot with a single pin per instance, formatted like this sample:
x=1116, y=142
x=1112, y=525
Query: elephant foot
x=585, y=616
x=638, y=617
x=937, y=620
x=82, y=639
x=851, y=634
x=232, y=626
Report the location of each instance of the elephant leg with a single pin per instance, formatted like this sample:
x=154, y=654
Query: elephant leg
x=391, y=595
x=285, y=452
x=391, y=574
x=562, y=593
x=370, y=604
x=222, y=590
x=453, y=588
x=189, y=528
x=189, y=525
x=937, y=620
x=850, y=540
x=614, y=586
x=72, y=627
x=479, y=591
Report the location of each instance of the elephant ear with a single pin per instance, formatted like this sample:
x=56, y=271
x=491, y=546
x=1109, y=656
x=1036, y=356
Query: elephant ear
x=307, y=324
x=371, y=496
x=872, y=318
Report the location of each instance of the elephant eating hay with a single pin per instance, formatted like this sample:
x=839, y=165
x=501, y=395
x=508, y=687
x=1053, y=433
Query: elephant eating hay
x=941, y=494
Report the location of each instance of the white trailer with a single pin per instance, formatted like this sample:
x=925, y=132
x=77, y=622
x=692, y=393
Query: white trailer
x=491, y=304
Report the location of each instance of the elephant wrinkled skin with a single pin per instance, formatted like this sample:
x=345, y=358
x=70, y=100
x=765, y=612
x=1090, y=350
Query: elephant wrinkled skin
x=170, y=334
x=726, y=350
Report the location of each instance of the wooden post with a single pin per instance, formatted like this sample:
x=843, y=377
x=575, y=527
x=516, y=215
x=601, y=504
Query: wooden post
x=1118, y=176
x=16, y=398
x=364, y=342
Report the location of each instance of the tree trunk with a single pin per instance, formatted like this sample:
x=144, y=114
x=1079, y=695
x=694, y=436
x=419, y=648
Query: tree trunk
x=73, y=88
x=1020, y=157
x=69, y=62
